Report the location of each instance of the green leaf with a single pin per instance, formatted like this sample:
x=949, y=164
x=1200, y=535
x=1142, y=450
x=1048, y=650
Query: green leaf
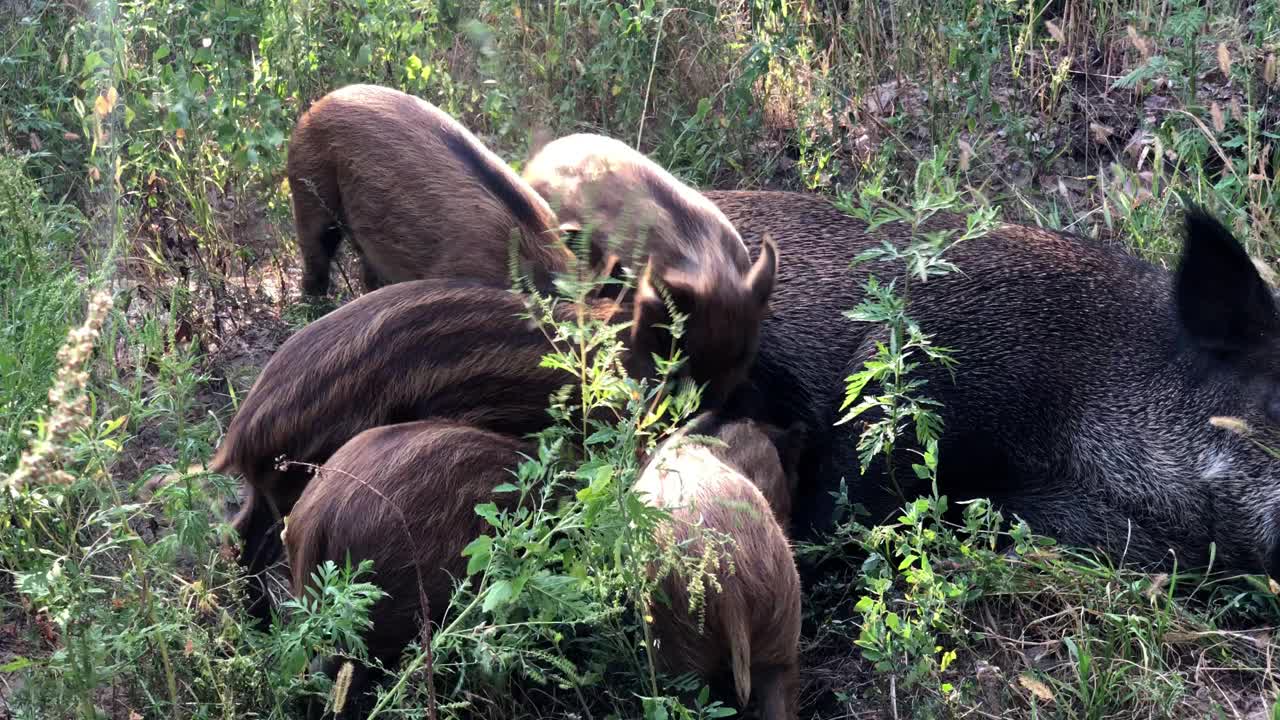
x=893, y=622
x=489, y=512
x=854, y=384
x=92, y=61
x=413, y=66
x=602, y=436
x=499, y=594
x=112, y=425
x=16, y=665
x=479, y=551
x=947, y=658
x=655, y=710
x=506, y=488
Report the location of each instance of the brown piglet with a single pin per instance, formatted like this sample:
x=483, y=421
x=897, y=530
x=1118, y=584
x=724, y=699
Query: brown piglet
x=419, y=195
x=752, y=621
x=403, y=496
x=411, y=351
x=642, y=217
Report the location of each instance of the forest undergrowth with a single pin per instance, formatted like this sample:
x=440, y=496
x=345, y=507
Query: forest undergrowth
x=148, y=272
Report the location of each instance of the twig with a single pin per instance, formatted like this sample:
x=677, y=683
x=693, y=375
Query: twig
x=653, y=64
x=893, y=695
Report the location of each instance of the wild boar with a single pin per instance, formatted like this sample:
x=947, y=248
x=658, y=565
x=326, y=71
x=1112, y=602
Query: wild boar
x=752, y=621
x=768, y=456
x=418, y=194
x=668, y=234
x=403, y=496
x=415, y=350
x=1085, y=381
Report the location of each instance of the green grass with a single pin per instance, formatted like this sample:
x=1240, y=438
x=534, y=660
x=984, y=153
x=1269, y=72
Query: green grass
x=1091, y=117
x=39, y=295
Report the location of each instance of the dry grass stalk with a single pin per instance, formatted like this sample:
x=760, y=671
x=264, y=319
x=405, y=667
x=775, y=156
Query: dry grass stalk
x=43, y=461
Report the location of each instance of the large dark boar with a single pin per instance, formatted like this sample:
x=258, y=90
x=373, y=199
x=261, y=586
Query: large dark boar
x=420, y=196
x=640, y=215
x=752, y=622
x=403, y=496
x=1084, y=390
x=416, y=350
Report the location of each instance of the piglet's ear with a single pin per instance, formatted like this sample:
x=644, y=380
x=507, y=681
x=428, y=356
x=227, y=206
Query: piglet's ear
x=1223, y=303
x=760, y=278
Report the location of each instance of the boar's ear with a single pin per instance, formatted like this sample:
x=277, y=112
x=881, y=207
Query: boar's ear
x=760, y=279
x=539, y=137
x=1222, y=301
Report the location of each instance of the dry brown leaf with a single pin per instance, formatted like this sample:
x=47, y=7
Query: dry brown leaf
x=1140, y=140
x=1037, y=688
x=105, y=103
x=882, y=98
x=35, y=142
x=966, y=154
x=70, y=136
x=1158, y=584
x=1055, y=31
x=1224, y=60
x=1138, y=42
x=1275, y=586
x=1215, y=112
x=1101, y=133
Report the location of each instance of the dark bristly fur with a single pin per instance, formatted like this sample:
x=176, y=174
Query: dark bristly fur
x=420, y=196
x=639, y=214
x=1085, y=382
x=416, y=350
x=752, y=630
x=403, y=496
